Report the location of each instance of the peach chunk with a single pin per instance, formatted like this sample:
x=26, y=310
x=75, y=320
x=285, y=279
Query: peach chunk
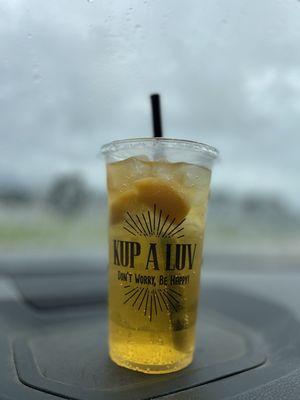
x=165, y=194
x=125, y=201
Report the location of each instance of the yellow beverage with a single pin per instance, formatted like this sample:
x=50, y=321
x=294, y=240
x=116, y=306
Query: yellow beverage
x=157, y=218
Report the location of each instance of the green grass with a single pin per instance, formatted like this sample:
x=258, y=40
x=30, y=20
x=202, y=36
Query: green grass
x=39, y=229
x=52, y=231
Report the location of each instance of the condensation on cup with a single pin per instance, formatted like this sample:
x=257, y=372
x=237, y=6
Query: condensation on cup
x=157, y=197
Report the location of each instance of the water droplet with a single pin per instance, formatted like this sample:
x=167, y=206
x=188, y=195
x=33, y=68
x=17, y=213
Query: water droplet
x=37, y=77
x=137, y=26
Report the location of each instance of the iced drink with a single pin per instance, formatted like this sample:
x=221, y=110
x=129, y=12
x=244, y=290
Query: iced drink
x=156, y=225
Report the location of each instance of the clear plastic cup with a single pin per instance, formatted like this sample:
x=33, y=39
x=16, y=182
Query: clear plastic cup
x=157, y=195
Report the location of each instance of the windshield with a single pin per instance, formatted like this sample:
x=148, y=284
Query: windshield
x=75, y=75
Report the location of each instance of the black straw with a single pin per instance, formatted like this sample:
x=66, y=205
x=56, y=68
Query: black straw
x=156, y=116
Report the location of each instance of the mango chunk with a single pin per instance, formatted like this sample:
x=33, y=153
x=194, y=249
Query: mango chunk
x=126, y=201
x=165, y=194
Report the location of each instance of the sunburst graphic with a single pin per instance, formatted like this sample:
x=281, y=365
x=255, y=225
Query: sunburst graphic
x=151, y=302
x=153, y=223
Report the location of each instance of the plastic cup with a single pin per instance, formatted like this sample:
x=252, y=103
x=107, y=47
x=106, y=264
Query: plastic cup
x=157, y=196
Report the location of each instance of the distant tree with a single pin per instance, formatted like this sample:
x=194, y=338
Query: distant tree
x=68, y=195
x=15, y=196
x=263, y=203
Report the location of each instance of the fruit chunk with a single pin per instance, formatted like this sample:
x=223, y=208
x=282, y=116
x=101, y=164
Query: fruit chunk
x=165, y=194
x=124, y=202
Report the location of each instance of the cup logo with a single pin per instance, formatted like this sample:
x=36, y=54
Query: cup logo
x=155, y=263
x=152, y=301
x=153, y=224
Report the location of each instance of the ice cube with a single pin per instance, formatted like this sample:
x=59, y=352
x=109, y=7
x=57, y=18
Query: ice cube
x=123, y=173
x=192, y=175
x=164, y=170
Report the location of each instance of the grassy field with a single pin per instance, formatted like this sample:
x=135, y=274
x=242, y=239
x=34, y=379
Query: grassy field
x=39, y=230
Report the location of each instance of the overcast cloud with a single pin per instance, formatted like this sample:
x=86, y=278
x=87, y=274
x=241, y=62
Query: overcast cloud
x=76, y=74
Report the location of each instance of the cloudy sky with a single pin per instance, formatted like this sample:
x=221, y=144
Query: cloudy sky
x=76, y=74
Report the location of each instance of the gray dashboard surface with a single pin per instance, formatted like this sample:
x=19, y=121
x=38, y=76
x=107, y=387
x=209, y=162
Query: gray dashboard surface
x=248, y=343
